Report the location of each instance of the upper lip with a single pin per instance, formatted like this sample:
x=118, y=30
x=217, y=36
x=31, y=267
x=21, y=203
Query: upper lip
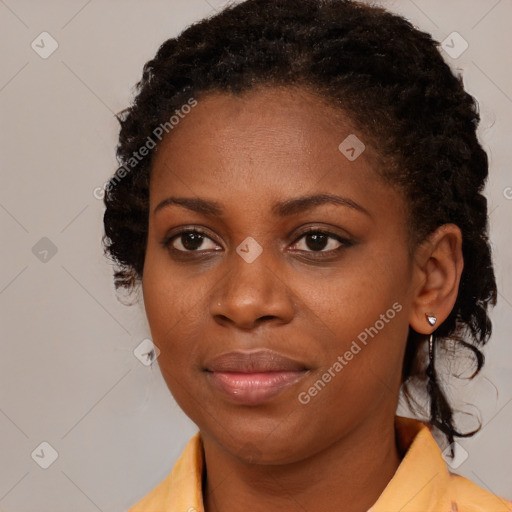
x=254, y=361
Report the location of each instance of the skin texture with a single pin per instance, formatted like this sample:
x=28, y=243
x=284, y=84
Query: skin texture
x=248, y=152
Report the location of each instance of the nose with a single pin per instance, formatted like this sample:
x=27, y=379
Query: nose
x=251, y=294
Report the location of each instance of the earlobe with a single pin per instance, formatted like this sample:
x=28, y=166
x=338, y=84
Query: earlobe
x=438, y=269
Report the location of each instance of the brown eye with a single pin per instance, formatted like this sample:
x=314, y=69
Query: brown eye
x=190, y=241
x=318, y=241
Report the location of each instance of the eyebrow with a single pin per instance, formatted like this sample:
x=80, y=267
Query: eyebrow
x=281, y=209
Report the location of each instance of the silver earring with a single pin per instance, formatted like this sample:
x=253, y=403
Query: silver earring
x=431, y=374
x=431, y=319
x=431, y=349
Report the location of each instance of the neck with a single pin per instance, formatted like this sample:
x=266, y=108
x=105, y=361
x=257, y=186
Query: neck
x=350, y=474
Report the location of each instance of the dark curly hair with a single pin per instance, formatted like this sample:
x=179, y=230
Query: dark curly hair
x=391, y=81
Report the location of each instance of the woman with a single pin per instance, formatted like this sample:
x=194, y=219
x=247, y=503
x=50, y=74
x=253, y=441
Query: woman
x=300, y=196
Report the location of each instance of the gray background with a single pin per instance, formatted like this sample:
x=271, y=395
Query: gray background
x=69, y=376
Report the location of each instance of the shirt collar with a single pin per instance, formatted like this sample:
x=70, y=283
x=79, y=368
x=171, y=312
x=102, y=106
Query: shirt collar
x=422, y=476
x=421, y=483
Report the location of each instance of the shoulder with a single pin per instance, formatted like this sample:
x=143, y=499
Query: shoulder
x=467, y=496
x=181, y=489
x=424, y=483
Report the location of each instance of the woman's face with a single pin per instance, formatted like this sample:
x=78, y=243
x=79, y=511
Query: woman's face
x=337, y=305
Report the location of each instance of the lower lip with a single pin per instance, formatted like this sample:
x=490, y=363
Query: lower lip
x=253, y=388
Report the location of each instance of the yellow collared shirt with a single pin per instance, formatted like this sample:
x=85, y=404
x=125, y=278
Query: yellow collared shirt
x=422, y=482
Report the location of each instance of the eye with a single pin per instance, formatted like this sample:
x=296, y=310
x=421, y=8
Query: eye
x=320, y=241
x=189, y=240
x=194, y=240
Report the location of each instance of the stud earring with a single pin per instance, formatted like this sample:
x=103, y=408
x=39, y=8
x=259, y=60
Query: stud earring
x=437, y=402
x=431, y=319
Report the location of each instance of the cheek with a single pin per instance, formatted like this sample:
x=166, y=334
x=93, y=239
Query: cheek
x=365, y=311
x=358, y=292
x=164, y=299
x=170, y=309
x=176, y=304
x=167, y=297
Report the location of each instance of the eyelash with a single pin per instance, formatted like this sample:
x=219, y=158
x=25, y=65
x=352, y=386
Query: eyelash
x=166, y=243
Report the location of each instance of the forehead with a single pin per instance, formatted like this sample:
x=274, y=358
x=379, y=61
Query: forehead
x=270, y=142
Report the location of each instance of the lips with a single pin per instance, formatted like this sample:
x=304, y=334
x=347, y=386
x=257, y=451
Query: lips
x=252, y=378
x=254, y=362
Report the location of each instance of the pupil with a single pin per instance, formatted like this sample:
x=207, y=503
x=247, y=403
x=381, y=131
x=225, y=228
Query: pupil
x=318, y=241
x=195, y=239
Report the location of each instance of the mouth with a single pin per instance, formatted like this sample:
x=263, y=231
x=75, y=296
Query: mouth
x=251, y=378
x=253, y=388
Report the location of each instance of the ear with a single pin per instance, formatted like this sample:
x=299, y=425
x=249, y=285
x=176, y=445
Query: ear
x=436, y=276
